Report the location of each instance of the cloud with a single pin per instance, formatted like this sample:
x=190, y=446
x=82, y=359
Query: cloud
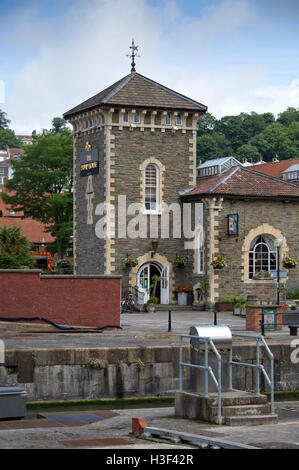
x=73, y=54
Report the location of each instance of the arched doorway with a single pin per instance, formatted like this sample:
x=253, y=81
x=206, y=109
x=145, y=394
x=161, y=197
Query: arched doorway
x=145, y=280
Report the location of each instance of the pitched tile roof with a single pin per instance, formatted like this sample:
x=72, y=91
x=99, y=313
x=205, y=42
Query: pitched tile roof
x=32, y=229
x=275, y=168
x=245, y=182
x=136, y=90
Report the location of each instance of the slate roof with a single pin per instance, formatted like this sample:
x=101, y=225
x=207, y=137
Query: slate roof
x=135, y=90
x=244, y=182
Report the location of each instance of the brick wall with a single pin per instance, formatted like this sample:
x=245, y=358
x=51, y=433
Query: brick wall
x=67, y=300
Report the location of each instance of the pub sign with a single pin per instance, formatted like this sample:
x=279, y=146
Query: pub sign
x=89, y=161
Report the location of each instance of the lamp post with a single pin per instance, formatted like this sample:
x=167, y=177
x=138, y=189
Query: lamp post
x=277, y=244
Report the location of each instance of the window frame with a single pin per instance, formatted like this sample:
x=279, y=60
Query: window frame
x=157, y=192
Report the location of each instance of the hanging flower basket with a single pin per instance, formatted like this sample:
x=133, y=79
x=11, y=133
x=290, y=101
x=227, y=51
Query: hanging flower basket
x=219, y=263
x=181, y=261
x=289, y=262
x=130, y=262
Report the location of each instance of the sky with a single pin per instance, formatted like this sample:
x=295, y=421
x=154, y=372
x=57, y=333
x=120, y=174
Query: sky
x=231, y=55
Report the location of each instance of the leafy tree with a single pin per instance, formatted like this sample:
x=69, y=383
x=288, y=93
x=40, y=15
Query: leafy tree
x=213, y=145
x=206, y=124
x=7, y=136
x=8, y=139
x=4, y=122
x=248, y=152
x=42, y=185
x=14, y=249
x=59, y=124
x=274, y=140
x=288, y=117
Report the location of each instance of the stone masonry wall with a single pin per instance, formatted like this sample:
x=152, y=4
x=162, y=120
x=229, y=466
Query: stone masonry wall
x=274, y=218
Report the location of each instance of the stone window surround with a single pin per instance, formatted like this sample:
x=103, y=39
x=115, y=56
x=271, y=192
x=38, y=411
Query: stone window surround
x=160, y=176
x=263, y=229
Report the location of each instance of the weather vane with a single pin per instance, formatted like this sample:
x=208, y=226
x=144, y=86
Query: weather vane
x=133, y=55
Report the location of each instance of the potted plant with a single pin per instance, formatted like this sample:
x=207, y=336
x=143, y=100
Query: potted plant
x=153, y=300
x=289, y=262
x=130, y=262
x=181, y=261
x=202, y=294
x=182, y=292
x=151, y=303
x=240, y=306
x=262, y=275
x=225, y=305
x=219, y=263
x=64, y=266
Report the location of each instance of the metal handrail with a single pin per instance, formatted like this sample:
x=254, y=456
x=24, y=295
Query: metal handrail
x=258, y=366
x=207, y=369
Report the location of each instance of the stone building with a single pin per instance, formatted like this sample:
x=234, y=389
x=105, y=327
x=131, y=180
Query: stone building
x=136, y=188
x=134, y=143
x=245, y=212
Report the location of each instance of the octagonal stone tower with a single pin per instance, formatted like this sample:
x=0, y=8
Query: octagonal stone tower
x=134, y=142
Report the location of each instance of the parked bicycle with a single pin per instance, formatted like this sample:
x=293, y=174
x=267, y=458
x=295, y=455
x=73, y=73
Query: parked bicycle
x=128, y=304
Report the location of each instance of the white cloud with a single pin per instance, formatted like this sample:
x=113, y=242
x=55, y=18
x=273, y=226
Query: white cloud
x=84, y=51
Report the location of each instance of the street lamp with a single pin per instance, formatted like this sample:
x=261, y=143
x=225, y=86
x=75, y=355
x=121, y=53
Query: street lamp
x=277, y=244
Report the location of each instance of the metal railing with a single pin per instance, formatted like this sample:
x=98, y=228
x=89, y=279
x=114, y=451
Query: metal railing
x=258, y=366
x=207, y=369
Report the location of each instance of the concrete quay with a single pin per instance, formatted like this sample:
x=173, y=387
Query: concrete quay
x=141, y=337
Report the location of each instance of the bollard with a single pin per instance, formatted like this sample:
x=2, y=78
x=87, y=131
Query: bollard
x=169, y=320
x=215, y=317
x=263, y=325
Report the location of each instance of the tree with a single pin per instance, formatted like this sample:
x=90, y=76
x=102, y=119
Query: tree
x=4, y=122
x=59, y=124
x=274, y=140
x=7, y=136
x=288, y=117
x=214, y=145
x=41, y=186
x=14, y=249
x=248, y=152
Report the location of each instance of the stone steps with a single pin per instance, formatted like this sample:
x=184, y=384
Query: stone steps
x=255, y=420
x=237, y=398
x=238, y=408
x=246, y=410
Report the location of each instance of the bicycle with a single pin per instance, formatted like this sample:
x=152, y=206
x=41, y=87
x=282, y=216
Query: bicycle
x=128, y=304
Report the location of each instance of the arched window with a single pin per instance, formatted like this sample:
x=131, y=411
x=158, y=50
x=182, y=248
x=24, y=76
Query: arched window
x=151, y=188
x=262, y=255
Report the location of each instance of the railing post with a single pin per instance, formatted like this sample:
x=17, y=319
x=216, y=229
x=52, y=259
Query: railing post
x=257, y=372
x=230, y=370
x=181, y=367
x=206, y=369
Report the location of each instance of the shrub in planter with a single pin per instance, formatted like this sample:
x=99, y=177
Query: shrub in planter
x=289, y=262
x=151, y=303
x=64, y=266
x=225, y=305
x=130, y=262
x=219, y=263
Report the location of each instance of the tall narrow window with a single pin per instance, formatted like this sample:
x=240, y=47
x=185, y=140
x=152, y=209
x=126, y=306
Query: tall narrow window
x=137, y=117
x=199, y=252
x=126, y=116
x=168, y=119
x=151, y=188
x=178, y=120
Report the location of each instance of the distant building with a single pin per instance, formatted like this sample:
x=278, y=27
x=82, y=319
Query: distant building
x=26, y=139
